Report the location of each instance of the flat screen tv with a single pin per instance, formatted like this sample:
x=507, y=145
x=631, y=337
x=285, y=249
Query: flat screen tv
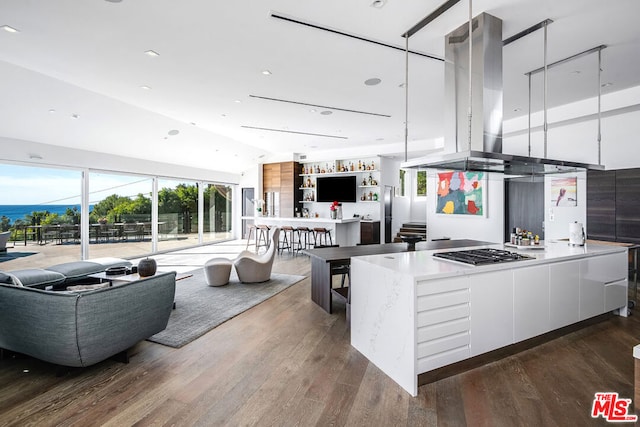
x=338, y=188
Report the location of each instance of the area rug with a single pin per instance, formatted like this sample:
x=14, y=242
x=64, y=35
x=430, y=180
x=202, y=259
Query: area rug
x=200, y=308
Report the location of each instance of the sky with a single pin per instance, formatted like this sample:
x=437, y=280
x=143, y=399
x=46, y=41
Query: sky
x=22, y=185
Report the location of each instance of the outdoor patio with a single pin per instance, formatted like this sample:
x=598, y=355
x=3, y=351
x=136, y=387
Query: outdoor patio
x=34, y=255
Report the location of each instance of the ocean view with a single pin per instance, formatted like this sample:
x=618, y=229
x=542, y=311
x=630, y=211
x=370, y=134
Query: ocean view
x=14, y=212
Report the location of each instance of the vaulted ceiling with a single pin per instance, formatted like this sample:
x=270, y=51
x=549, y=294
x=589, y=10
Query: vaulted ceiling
x=77, y=73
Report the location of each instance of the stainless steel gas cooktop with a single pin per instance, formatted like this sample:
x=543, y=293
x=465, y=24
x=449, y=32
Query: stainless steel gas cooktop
x=482, y=256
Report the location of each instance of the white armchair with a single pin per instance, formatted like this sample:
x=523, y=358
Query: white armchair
x=254, y=268
x=4, y=238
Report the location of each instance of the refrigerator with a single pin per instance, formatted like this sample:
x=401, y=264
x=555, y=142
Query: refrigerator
x=388, y=213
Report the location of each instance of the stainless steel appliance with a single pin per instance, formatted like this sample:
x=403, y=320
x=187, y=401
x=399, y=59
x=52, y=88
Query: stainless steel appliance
x=482, y=256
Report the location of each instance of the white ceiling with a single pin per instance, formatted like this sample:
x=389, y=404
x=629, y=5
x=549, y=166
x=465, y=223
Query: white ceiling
x=87, y=58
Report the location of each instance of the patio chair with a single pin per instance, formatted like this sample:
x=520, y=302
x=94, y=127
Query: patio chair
x=254, y=268
x=4, y=238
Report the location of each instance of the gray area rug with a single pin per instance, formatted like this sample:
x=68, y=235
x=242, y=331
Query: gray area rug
x=200, y=308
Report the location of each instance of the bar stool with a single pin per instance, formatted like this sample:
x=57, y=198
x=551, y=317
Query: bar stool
x=288, y=242
x=304, y=231
x=262, y=236
x=251, y=231
x=320, y=234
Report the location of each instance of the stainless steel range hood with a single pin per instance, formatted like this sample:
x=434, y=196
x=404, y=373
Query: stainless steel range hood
x=473, y=141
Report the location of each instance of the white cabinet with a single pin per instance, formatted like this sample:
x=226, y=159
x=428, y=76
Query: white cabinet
x=442, y=322
x=596, y=273
x=491, y=311
x=564, y=289
x=615, y=295
x=530, y=302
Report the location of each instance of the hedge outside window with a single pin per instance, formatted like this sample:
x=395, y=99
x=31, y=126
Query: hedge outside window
x=421, y=187
x=403, y=174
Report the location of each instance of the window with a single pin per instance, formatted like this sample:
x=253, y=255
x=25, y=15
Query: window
x=217, y=212
x=120, y=212
x=403, y=174
x=421, y=187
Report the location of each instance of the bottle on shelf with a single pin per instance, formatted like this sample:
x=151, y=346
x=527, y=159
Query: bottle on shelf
x=373, y=165
x=370, y=182
x=359, y=165
x=351, y=167
x=375, y=197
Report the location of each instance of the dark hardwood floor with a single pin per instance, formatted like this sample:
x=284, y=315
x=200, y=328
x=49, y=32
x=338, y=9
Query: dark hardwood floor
x=287, y=362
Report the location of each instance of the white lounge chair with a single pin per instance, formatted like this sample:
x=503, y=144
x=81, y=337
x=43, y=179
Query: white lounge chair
x=254, y=268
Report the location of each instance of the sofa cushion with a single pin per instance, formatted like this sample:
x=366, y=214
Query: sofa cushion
x=5, y=278
x=38, y=277
x=77, y=269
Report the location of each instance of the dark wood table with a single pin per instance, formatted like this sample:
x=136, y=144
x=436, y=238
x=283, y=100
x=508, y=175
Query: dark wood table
x=324, y=259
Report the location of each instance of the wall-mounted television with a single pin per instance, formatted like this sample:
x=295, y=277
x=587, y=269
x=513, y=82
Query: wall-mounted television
x=336, y=188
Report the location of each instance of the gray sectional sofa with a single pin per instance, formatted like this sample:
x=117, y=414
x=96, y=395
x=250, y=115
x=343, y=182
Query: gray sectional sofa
x=79, y=329
x=40, y=318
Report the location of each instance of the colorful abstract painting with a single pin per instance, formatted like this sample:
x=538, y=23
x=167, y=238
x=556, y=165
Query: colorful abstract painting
x=461, y=193
x=564, y=191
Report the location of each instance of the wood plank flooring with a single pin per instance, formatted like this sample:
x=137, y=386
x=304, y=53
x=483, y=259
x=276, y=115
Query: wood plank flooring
x=286, y=362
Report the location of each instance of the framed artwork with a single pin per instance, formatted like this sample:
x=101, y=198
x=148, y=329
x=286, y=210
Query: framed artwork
x=461, y=193
x=564, y=191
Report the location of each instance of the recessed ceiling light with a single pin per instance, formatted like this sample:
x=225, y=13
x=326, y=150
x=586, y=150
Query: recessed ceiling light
x=113, y=1
x=174, y=132
x=9, y=29
x=402, y=85
x=313, y=110
x=576, y=72
x=379, y=139
x=606, y=84
x=223, y=115
x=75, y=116
x=51, y=111
x=517, y=109
x=372, y=82
x=326, y=112
x=144, y=87
x=35, y=156
x=266, y=72
x=378, y=3
x=193, y=123
x=313, y=146
x=151, y=53
x=237, y=101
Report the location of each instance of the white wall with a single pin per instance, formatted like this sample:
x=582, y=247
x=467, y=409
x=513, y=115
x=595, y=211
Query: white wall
x=573, y=128
x=489, y=228
x=18, y=151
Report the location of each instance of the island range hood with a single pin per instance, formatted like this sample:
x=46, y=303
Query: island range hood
x=473, y=142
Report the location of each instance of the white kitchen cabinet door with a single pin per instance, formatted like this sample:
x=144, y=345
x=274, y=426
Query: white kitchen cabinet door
x=530, y=302
x=564, y=294
x=491, y=311
x=615, y=295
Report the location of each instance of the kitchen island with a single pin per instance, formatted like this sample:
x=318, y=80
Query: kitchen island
x=344, y=232
x=412, y=312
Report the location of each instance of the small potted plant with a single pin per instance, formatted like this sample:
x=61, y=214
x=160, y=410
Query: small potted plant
x=333, y=209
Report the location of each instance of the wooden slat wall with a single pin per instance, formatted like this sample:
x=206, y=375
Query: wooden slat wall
x=613, y=205
x=284, y=178
x=601, y=205
x=628, y=205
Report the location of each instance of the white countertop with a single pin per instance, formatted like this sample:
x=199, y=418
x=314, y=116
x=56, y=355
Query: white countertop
x=280, y=219
x=422, y=265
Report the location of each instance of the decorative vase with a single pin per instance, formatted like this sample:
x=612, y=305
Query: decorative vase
x=147, y=267
x=333, y=214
